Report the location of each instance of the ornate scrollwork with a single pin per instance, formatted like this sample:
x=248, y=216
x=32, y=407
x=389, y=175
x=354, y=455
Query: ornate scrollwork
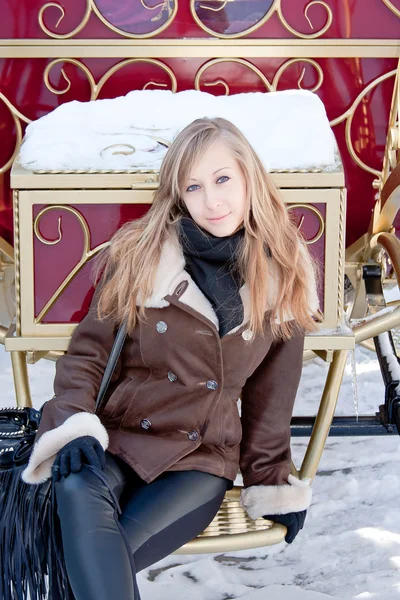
x=63, y=36
x=239, y=61
x=71, y=61
x=292, y=61
x=317, y=213
x=129, y=61
x=87, y=253
x=95, y=88
x=391, y=7
x=276, y=7
x=270, y=86
x=392, y=149
x=166, y=6
x=17, y=118
x=348, y=116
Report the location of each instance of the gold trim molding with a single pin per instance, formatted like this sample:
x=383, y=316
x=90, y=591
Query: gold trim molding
x=200, y=48
x=17, y=255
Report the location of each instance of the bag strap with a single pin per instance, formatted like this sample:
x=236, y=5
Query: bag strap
x=111, y=364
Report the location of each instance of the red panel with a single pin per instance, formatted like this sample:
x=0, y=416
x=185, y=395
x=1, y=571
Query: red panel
x=310, y=227
x=6, y=216
x=52, y=264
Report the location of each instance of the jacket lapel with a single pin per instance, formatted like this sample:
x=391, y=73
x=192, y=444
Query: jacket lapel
x=171, y=272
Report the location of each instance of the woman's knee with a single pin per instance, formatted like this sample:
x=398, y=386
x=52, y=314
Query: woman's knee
x=87, y=483
x=75, y=487
x=84, y=503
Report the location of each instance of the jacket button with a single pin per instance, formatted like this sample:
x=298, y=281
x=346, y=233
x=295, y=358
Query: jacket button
x=161, y=327
x=192, y=435
x=145, y=423
x=171, y=376
x=247, y=334
x=211, y=385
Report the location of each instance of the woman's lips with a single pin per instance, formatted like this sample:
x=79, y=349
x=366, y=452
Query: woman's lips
x=219, y=218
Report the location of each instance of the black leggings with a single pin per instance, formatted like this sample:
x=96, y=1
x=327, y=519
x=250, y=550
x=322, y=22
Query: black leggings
x=114, y=524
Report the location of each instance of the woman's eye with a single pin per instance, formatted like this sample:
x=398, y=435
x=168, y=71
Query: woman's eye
x=194, y=185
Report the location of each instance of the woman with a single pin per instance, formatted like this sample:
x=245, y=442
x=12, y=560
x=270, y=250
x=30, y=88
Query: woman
x=218, y=290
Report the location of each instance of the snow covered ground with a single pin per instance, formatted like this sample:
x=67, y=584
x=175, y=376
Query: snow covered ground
x=350, y=546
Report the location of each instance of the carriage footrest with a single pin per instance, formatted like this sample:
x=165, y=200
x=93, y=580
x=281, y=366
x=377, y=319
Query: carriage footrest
x=344, y=426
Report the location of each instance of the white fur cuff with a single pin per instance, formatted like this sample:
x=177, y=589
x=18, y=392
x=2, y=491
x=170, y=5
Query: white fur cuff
x=45, y=450
x=259, y=500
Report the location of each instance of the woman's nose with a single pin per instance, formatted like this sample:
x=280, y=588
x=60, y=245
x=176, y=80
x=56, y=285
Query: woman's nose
x=212, y=200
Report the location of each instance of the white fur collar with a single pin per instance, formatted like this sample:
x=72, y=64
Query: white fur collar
x=171, y=272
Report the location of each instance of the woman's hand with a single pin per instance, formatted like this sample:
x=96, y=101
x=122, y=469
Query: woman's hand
x=83, y=450
x=294, y=521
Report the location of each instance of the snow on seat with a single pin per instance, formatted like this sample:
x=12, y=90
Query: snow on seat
x=288, y=129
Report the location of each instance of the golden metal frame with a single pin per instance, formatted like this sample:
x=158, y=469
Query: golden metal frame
x=200, y=48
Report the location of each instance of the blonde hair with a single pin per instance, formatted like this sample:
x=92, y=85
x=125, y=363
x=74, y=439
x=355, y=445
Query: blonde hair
x=129, y=264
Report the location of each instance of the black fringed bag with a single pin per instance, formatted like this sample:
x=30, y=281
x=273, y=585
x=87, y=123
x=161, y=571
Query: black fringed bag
x=31, y=555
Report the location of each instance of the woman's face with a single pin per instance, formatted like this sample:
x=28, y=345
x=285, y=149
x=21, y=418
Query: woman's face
x=215, y=194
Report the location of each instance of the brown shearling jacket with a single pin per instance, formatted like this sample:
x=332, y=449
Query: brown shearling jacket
x=172, y=401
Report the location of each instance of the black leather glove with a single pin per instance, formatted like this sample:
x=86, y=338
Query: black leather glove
x=294, y=521
x=83, y=450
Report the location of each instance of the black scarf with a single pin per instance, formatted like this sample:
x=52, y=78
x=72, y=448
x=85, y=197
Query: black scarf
x=210, y=260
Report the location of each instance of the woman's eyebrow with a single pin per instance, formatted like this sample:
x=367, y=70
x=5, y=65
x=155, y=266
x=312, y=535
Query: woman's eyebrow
x=192, y=178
